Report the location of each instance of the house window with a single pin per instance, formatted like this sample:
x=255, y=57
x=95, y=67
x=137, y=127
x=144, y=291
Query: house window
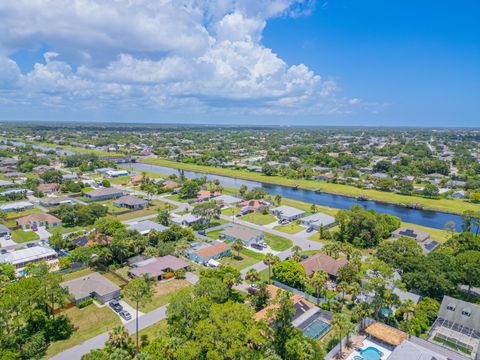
x=466, y=312
x=451, y=307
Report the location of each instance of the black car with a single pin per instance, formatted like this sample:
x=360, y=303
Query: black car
x=310, y=229
x=30, y=245
x=115, y=305
x=257, y=246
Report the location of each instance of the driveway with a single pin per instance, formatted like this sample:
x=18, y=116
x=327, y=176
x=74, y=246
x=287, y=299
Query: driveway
x=130, y=309
x=43, y=233
x=5, y=243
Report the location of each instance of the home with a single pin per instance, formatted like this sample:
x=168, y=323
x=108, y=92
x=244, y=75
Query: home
x=130, y=202
x=92, y=285
x=37, y=220
x=226, y=200
x=104, y=194
x=457, y=326
x=42, y=169
x=421, y=237
x=136, y=180
x=170, y=184
x=323, y=262
x=144, y=227
x=458, y=194
x=416, y=348
x=205, y=195
x=16, y=191
x=248, y=236
x=202, y=252
x=158, y=268
x=55, y=201
x=248, y=206
x=20, y=258
x=69, y=177
x=16, y=206
x=4, y=231
x=5, y=184
x=289, y=213
x=318, y=220
x=48, y=188
x=15, y=175
x=116, y=173
x=187, y=220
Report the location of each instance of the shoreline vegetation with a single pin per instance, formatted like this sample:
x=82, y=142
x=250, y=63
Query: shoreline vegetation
x=448, y=206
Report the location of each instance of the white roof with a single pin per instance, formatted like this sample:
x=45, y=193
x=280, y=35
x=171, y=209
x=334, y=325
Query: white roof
x=15, y=205
x=5, y=183
x=144, y=227
x=26, y=255
x=227, y=199
x=319, y=219
x=187, y=218
x=213, y=263
x=287, y=211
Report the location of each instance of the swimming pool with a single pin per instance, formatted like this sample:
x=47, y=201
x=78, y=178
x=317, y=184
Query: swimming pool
x=371, y=353
x=316, y=329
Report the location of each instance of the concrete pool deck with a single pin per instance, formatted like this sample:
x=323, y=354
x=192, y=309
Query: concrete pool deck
x=369, y=343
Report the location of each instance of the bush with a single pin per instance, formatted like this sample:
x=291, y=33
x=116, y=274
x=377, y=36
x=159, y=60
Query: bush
x=85, y=303
x=180, y=274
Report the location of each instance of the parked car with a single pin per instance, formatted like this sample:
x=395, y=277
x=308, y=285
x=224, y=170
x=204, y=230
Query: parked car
x=284, y=222
x=125, y=314
x=34, y=228
x=264, y=245
x=30, y=245
x=115, y=305
x=257, y=246
x=238, y=215
x=7, y=237
x=3, y=251
x=310, y=229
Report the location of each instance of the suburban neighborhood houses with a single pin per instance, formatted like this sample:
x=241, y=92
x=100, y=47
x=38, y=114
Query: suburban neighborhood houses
x=114, y=241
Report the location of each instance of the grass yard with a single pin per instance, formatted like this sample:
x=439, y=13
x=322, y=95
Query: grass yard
x=259, y=218
x=162, y=293
x=20, y=236
x=17, y=214
x=435, y=234
x=230, y=211
x=113, y=278
x=176, y=197
x=65, y=230
x=89, y=322
x=277, y=243
x=448, y=205
x=76, y=274
x=247, y=258
x=111, y=208
x=291, y=228
x=152, y=331
x=214, y=234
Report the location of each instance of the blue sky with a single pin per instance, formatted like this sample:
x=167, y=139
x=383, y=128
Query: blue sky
x=351, y=62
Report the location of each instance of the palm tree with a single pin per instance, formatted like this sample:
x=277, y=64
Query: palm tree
x=363, y=310
x=407, y=308
x=229, y=280
x=296, y=253
x=342, y=324
x=342, y=287
x=252, y=276
x=237, y=246
x=318, y=281
x=118, y=337
x=270, y=260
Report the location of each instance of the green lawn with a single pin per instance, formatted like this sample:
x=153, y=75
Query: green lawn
x=152, y=331
x=162, y=293
x=230, y=211
x=76, y=274
x=247, y=258
x=20, y=236
x=214, y=234
x=176, y=197
x=448, y=205
x=66, y=230
x=89, y=322
x=291, y=228
x=18, y=214
x=277, y=243
x=259, y=218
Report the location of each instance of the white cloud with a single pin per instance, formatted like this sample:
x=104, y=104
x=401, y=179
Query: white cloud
x=167, y=55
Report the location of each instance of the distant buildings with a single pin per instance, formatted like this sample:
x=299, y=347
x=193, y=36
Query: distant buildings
x=318, y=220
x=146, y=226
x=289, y=213
x=130, y=202
x=104, y=194
x=247, y=235
x=20, y=258
x=16, y=206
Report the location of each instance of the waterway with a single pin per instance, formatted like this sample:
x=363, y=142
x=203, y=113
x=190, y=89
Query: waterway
x=433, y=219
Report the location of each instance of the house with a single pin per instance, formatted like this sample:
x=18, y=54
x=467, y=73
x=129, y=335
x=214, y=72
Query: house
x=318, y=220
x=41, y=219
x=415, y=348
x=248, y=236
x=16, y=206
x=187, y=220
x=5, y=184
x=92, y=285
x=69, y=177
x=137, y=259
x=136, y=180
x=226, y=200
x=300, y=305
x=202, y=252
x=131, y=202
x=205, y=195
x=157, y=268
x=458, y=194
x=4, y=231
x=16, y=191
x=144, y=227
x=48, y=188
x=253, y=205
x=55, y=201
x=20, y=258
x=116, y=173
x=323, y=262
x=104, y=194
x=378, y=175
x=170, y=184
x=457, y=326
x=421, y=237
x=289, y=213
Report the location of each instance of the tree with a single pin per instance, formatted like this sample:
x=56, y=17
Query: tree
x=290, y=273
x=243, y=189
x=229, y=280
x=342, y=286
x=207, y=211
x=106, y=183
x=296, y=253
x=109, y=226
x=189, y=189
x=163, y=217
x=278, y=199
x=319, y=281
x=283, y=321
x=270, y=260
x=469, y=263
x=237, y=246
x=139, y=291
x=118, y=337
x=313, y=208
x=342, y=325
x=252, y=276
x=430, y=191
x=260, y=297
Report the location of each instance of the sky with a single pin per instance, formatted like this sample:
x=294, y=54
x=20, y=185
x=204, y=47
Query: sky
x=269, y=62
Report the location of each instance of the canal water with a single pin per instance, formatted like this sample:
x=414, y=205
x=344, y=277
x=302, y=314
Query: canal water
x=433, y=219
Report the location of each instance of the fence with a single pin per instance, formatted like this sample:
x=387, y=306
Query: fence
x=118, y=276
x=206, y=238
x=306, y=296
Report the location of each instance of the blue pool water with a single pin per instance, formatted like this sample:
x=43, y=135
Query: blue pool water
x=316, y=329
x=371, y=353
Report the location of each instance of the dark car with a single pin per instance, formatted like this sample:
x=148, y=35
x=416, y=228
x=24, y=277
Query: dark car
x=125, y=314
x=257, y=246
x=310, y=229
x=115, y=305
x=30, y=245
x=238, y=215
